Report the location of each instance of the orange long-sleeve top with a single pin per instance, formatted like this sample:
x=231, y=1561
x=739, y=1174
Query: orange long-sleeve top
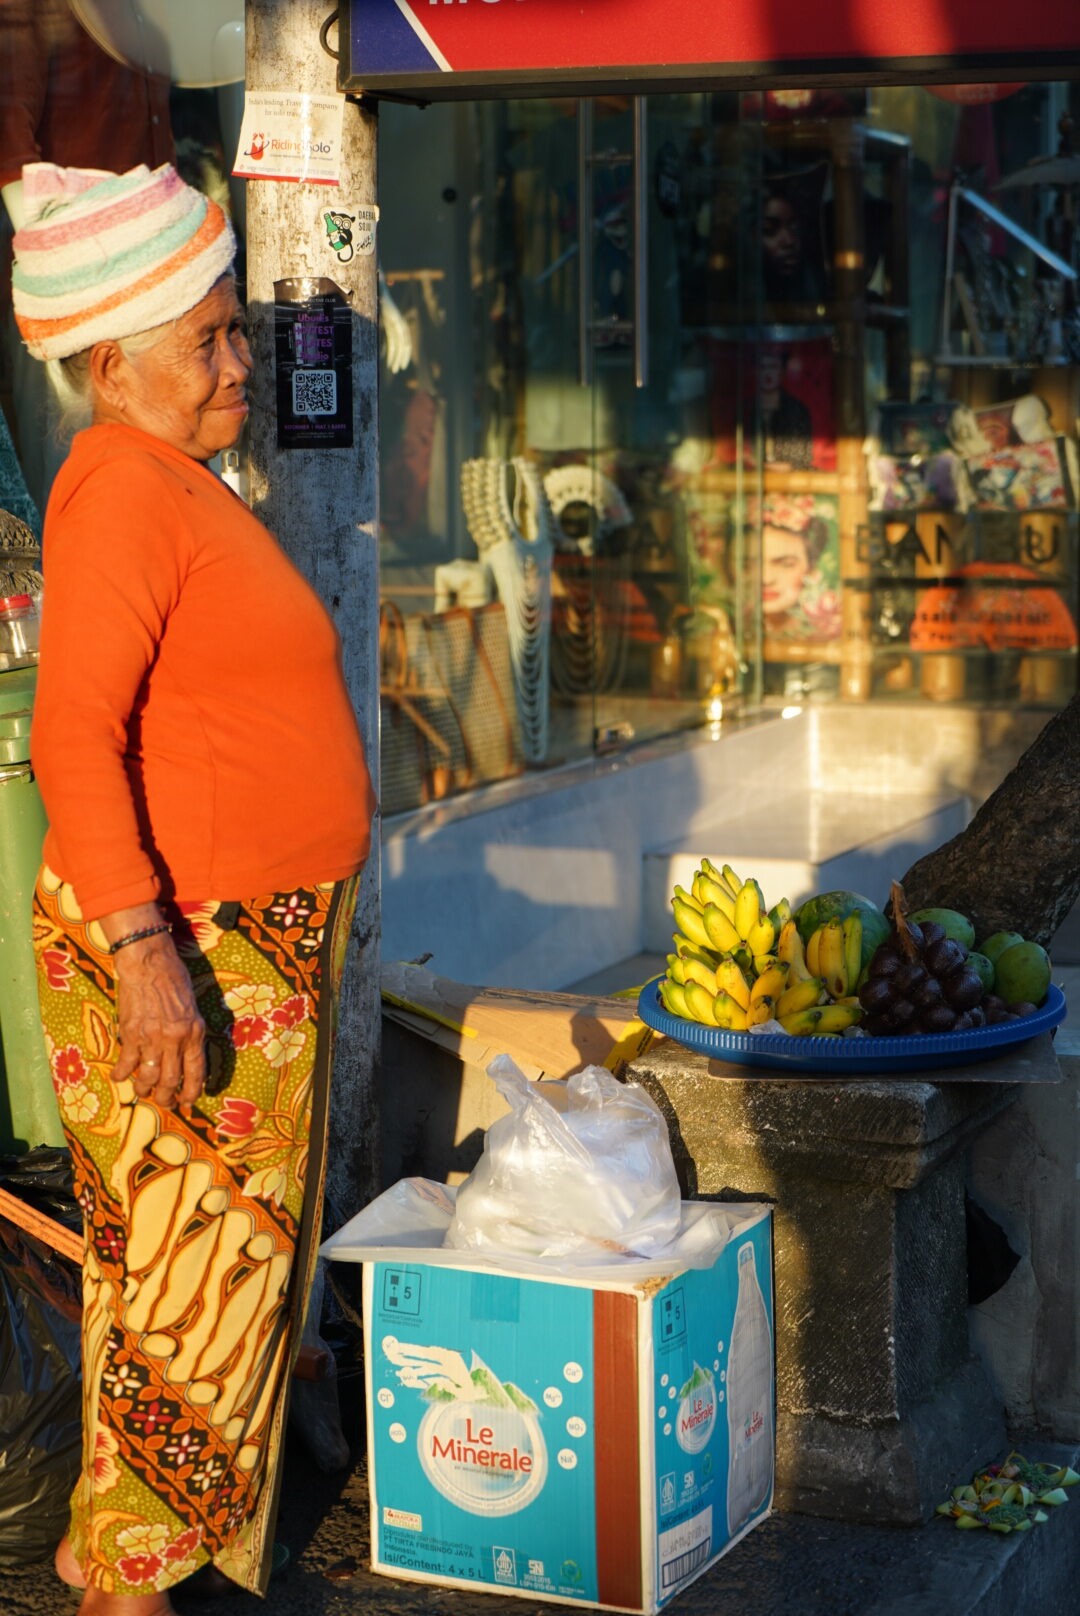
x=192, y=735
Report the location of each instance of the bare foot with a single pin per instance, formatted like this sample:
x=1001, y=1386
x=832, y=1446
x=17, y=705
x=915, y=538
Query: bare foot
x=96, y=1603
x=68, y=1568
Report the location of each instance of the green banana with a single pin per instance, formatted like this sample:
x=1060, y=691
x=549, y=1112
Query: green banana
x=832, y=959
x=728, y=1014
x=686, y=949
x=780, y=914
x=673, y=998
x=699, y=1003
x=691, y=922
x=853, y=929
x=719, y=931
x=800, y=995
x=730, y=980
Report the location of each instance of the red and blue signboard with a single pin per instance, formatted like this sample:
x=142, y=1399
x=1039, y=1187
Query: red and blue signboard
x=454, y=48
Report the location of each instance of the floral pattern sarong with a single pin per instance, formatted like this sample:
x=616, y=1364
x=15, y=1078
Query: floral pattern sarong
x=201, y=1231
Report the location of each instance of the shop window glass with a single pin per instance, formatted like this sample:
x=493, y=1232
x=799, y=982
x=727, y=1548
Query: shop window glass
x=712, y=402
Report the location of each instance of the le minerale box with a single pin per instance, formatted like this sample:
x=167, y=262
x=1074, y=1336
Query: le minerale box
x=594, y=1443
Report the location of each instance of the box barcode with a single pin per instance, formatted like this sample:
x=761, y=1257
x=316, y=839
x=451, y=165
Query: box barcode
x=675, y=1570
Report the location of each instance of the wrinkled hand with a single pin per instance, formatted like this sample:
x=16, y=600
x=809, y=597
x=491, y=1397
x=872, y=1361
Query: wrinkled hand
x=162, y=1034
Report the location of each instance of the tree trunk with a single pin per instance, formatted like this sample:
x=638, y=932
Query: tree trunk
x=1017, y=865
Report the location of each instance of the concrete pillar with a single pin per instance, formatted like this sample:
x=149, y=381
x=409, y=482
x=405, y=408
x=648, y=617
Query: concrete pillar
x=881, y=1403
x=1025, y=1171
x=322, y=504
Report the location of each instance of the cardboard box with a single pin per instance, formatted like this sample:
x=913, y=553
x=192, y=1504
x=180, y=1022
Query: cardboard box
x=590, y=1442
x=547, y=1034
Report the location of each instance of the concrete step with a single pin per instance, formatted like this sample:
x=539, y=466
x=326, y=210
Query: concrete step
x=801, y=844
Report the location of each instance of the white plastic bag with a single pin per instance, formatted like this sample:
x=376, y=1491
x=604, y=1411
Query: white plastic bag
x=597, y=1178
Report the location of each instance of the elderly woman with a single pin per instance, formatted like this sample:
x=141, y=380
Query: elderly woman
x=209, y=810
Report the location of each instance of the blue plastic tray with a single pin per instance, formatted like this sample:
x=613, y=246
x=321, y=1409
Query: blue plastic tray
x=817, y=1056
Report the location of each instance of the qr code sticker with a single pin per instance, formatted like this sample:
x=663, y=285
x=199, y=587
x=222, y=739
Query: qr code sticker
x=314, y=392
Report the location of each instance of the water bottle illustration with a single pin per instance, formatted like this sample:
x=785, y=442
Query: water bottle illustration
x=749, y=1399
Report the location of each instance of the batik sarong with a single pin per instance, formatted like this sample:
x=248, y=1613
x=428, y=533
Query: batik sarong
x=201, y=1230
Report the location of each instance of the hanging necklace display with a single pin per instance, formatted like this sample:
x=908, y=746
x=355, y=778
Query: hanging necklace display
x=516, y=541
x=588, y=655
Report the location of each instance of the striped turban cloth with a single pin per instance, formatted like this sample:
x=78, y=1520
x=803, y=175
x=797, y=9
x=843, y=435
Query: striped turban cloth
x=106, y=256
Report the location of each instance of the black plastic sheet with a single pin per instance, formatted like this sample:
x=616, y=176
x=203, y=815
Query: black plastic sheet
x=40, y=1364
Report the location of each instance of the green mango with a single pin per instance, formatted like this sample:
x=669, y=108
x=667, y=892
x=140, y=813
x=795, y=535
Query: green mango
x=952, y=923
x=1022, y=974
x=998, y=943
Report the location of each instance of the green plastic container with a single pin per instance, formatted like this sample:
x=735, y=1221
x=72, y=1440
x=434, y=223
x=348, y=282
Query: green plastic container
x=28, y=1112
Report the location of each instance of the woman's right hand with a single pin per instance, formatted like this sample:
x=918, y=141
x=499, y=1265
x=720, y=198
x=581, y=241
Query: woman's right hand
x=162, y=1035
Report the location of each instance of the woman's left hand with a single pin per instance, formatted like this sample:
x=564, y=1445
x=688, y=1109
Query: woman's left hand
x=162, y=1035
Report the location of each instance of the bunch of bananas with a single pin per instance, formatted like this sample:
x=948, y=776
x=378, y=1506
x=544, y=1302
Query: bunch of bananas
x=737, y=964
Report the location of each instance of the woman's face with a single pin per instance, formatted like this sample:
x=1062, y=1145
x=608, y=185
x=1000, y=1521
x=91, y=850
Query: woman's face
x=784, y=567
x=190, y=389
x=780, y=235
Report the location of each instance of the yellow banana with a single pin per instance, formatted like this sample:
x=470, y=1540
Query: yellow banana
x=763, y=962
x=770, y=984
x=675, y=969
x=706, y=891
x=735, y=882
x=694, y=971
x=720, y=877
x=748, y=910
x=813, y=952
x=801, y=995
x=760, y=1010
x=819, y=1020
x=762, y=937
x=789, y=949
x=673, y=998
x=728, y=1014
x=719, y=931
x=691, y=922
x=730, y=980
x=699, y=1003
x=688, y=897
x=832, y=959
x=853, y=950
x=686, y=949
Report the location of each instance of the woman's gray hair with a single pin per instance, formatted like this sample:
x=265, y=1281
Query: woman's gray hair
x=71, y=381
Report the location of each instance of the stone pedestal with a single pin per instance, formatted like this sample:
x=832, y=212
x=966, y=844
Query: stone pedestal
x=881, y=1406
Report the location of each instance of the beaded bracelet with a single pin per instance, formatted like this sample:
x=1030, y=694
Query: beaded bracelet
x=137, y=936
